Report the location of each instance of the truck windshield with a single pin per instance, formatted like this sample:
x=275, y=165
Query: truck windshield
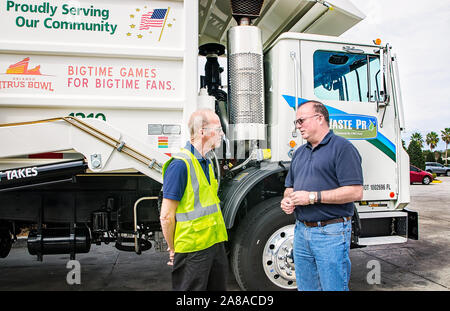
x=346, y=77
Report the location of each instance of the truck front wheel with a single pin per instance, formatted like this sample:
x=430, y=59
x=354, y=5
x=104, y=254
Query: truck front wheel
x=261, y=253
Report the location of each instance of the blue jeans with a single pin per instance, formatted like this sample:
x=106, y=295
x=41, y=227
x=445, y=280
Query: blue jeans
x=321, y=256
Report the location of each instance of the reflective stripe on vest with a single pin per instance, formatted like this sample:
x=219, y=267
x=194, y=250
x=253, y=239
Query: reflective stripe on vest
x=199, y=210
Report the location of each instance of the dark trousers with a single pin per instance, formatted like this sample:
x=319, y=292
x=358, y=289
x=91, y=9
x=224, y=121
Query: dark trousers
x=202, y=270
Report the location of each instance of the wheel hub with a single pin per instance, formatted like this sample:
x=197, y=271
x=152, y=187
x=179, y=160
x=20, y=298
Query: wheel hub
x=278, y=261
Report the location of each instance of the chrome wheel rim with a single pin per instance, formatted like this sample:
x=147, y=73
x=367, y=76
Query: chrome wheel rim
x=277, y=258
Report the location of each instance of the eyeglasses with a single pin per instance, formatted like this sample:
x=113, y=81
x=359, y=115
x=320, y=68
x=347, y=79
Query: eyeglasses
x=300, y=121
x=217, y=129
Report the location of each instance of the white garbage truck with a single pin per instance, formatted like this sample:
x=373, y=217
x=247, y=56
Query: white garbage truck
x=95, y=97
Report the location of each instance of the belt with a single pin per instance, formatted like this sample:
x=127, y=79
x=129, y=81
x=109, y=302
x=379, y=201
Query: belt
x=325, y=222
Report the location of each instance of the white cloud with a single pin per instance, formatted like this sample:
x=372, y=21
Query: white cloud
x=419, y=33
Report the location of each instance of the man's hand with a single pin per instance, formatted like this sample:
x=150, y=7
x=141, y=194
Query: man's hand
x=171, y=256
x=287, y=206
x=300, y=197
x=167, y=218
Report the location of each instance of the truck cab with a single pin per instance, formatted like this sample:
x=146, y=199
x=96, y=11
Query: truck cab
x=357, y=82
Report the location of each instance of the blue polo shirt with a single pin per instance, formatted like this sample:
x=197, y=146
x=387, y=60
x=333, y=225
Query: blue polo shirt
x=334, y=163
x=175, y=177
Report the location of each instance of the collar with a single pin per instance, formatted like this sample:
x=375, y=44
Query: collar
x=324, y=141
x=194, y=151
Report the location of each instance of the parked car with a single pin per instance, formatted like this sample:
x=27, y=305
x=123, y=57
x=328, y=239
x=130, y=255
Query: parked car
x=417, y=175
x=438, y=168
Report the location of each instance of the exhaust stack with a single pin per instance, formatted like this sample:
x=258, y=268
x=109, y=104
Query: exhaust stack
x=245, y=73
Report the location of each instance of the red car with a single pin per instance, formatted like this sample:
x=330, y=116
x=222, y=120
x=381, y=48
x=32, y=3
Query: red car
x=417, y=175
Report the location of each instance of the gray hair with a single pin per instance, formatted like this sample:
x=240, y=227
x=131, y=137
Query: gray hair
x=198, y=120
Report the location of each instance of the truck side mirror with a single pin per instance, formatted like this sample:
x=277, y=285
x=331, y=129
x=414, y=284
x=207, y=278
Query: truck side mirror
x=386, y=88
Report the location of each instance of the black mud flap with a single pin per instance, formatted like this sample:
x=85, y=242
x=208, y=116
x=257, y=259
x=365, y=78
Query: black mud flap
x=356, y=229
x=413, y=224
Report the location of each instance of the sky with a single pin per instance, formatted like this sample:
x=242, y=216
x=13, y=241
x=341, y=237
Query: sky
x=419, y=33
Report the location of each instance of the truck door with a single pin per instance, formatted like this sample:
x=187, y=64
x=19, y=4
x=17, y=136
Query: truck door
x=349, y=81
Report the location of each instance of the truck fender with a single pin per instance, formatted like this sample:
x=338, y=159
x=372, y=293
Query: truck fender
x=237, y=189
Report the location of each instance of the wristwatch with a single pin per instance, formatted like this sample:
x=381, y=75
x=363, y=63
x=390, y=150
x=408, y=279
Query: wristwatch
x=312, y=197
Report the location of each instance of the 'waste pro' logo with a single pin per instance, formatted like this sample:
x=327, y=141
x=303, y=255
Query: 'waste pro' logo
x=353, y=126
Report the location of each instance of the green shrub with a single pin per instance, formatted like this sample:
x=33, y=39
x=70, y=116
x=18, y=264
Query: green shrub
x=415, y=155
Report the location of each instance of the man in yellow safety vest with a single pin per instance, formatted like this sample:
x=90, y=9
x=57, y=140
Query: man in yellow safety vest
x=191, y=219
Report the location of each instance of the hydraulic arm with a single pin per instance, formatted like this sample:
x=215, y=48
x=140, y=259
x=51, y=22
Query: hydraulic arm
x=104, y=147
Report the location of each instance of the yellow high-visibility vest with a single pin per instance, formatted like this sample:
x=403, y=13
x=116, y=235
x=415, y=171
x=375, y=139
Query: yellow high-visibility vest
x=199, y=220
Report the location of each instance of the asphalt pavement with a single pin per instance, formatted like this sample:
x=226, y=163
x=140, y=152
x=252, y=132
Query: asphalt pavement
x=421, y=265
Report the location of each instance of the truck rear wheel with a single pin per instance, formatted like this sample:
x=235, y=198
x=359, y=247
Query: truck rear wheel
x=261, y=254
x=5, y=242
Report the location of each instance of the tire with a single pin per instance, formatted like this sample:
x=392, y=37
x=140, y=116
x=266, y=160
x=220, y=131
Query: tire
x=262, y=244
x=426, y=180
x=447, y=173
x=5, y=243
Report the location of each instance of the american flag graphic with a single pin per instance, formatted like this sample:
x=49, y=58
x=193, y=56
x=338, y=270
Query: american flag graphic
x=153, y=19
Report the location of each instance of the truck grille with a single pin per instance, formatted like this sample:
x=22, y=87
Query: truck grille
x=249, y=8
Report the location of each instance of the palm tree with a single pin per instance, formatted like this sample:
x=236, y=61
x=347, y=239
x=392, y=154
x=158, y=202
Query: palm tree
x=432, y=140
x=417, y=137
x=445, y=135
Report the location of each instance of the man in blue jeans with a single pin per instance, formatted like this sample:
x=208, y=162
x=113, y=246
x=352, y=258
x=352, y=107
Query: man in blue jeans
x=324, y=179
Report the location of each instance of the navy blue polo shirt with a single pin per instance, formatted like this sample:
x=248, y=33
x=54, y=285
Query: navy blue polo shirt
x=176, y=175
x=334, y=163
